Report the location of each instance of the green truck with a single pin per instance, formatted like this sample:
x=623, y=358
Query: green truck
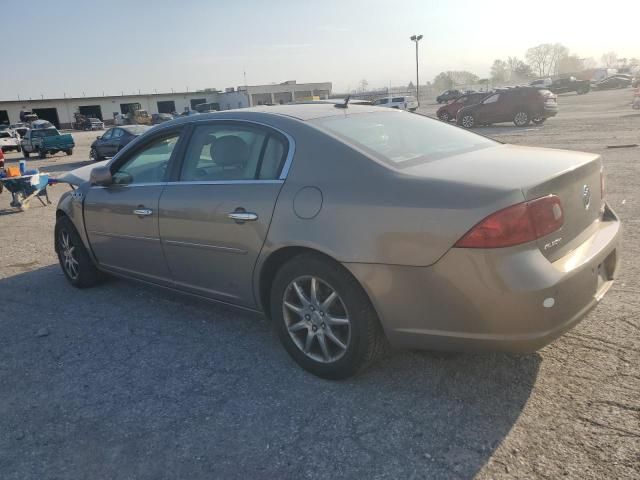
x=41, y=141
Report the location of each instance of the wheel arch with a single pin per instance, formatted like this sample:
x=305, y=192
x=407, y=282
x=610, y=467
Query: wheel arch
x=275, y=260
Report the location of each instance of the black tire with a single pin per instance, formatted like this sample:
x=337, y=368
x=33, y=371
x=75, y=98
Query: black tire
x=444, y=116
x=69, y=151
x=42, y=153
x=366, y=341
x=538, y=120
x=87, y=275
x=521, y=118
x=94, y=155
x=25, y=154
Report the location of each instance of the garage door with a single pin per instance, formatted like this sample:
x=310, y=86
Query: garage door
x=166, y=106
x=50, y=114
x=4, y=117
x=91, y=111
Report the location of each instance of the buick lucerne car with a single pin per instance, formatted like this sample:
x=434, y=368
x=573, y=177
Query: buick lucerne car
x=353, y=229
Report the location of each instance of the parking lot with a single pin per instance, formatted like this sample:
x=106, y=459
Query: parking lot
x=129, y=381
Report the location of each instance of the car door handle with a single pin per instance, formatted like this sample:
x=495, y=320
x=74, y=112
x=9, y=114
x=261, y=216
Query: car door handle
x=143, y=212
x=243, y=216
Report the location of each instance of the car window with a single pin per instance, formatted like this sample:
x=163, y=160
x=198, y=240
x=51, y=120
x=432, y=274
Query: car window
x=382, y=101
x=492, y=99
x=402, y=139
x=107, y=134
x=5, y=134
x=149, y=164
x=397, y=99
x=219, y=152
x=117, y=133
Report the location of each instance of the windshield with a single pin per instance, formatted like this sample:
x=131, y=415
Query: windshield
x=45, y=132
x=402, y=139
x=5, y=135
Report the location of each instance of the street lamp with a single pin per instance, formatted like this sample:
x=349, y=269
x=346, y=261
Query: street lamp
x=416, y=39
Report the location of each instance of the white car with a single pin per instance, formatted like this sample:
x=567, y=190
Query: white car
x=408, y=102
x=9, y=141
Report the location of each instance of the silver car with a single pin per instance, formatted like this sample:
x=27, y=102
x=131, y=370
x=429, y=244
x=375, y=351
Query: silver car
x=352, y=228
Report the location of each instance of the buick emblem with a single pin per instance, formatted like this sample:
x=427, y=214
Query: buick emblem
x=586, y=196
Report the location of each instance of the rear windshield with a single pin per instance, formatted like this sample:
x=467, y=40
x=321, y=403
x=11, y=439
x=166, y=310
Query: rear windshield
x=402, y=139
x=45, y=132
x=136, y=130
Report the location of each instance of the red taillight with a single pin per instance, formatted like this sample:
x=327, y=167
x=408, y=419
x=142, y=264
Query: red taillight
x=520, y=223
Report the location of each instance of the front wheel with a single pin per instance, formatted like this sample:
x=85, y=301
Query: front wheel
x=468, y=121
x=521, y=119
x=94, y=155
x=324, y=318
x=74, y=259
x=444, y=116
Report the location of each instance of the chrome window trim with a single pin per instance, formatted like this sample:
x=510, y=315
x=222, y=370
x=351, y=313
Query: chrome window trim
x=290, y=153
x=226, y=182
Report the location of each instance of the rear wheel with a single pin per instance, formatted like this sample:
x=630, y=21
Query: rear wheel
x=42, y=153
x=74, y=259
x=324, y=318
x=69, y=151
x=521, y=118
x=538, y=120
x=468, y=121
x=25, y=154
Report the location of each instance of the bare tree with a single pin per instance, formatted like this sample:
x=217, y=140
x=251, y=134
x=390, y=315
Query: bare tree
x=609, y=59
x=499, y=72
x=570, y=64
x=544, y=58
x=589, y=63
x=517, y=67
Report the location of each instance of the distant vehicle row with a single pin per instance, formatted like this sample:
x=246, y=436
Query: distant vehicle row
x=520, y=105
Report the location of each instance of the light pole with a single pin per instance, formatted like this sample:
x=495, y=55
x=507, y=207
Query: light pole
x=416, y=39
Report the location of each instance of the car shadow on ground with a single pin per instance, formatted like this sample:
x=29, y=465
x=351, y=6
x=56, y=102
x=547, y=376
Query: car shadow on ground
x=129, y=380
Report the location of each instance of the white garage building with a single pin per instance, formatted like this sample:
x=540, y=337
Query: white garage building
x=60, y=111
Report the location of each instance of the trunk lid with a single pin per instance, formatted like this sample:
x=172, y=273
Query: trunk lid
x=536, y=172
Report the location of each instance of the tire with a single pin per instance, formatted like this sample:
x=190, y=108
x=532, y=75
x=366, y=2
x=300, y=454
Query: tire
x=18, y=149
x=348, y=347
x=69, y=151
x=538, y=120
x=42, y=153
x=521, y=118
x=468, y=121
x=94, y=156
x=74, y=259
x=444, y=116
x=25, y=154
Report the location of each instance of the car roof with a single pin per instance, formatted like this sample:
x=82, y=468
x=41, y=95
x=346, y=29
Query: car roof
x=299, y=111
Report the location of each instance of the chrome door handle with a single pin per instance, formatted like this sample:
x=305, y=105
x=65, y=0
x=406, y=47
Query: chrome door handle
x=243, y=216
x=143, y=212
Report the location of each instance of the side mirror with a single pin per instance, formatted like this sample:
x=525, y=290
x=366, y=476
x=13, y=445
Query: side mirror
x=98, y=137
x=101, y=176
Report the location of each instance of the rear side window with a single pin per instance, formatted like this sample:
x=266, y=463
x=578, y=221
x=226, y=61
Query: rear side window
x=382, y=101
x=397, y=100
x=492, y=99
x=402, y=139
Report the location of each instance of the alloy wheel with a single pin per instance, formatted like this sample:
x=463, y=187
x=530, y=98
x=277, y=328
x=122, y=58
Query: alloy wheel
x=317, y=319
x=521, y=118
x=67, y=249
x=444, y=117
x=93, y=155
x=467, y=121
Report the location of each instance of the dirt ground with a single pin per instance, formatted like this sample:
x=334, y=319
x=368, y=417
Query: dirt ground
x=125, y=381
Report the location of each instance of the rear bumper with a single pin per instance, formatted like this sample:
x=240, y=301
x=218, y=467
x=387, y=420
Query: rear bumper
x=549, y=112
x=492, y=300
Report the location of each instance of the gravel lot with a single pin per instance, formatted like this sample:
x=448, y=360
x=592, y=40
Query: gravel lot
x=124, y=381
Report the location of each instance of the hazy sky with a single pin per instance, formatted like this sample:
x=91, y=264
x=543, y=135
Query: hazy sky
x=70, y=47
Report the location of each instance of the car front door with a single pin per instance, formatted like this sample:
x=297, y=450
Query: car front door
x=114, y=142
x=487, y=111
x=215, y=216
x=122, y=219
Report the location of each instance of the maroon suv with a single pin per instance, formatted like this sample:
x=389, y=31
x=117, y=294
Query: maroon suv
x=449, y=111
x=520, y=105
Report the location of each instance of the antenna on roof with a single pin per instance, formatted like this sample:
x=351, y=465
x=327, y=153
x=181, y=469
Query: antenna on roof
x=345, y=104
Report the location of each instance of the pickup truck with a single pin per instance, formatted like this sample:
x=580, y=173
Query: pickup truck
x=564, y=85
x=46, y=140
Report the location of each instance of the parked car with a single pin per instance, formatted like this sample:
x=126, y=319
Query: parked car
x=564, y=85
x=475, y=244
x=448, y=95
x=9, y=141
x=408, y=102
x=82, y=122
x=520, y=105
x=158, y=118
x=449, y=111
x=43, y=141
x=114, y=140
x=611, y=83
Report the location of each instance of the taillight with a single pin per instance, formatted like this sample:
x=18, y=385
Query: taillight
x=520, y=223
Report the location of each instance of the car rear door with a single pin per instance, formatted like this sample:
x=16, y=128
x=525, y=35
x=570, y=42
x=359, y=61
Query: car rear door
x=102, y=143
x=122, y=219
x=215, y=215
